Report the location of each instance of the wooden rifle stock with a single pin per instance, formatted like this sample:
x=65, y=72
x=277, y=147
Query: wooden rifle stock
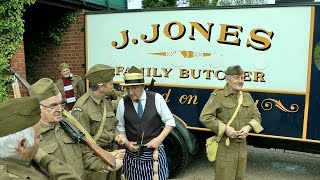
x=75, y=133
x=107, y=157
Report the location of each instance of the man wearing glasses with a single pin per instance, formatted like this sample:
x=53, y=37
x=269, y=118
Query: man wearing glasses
x=232, y=152
x=145, y=120
x=57, y=142
x=20, y=136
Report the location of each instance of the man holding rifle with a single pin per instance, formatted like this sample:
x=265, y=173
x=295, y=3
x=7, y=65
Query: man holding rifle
x=57, y=142
x=20, y=135
x=94, y=110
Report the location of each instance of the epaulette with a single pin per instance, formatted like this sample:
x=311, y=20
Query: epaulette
x=82, y=99
x=77, y=109
x=215, y=92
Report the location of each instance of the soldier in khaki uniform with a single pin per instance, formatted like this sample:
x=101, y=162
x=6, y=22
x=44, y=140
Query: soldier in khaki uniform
x=231, y=158
x=71, y=86
x=55, y=139
x=20, y=136
x=94, y=109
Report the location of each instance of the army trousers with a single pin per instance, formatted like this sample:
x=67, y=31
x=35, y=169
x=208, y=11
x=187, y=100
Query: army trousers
x=231, y=160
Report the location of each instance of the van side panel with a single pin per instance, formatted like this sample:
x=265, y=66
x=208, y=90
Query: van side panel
x=313, y=131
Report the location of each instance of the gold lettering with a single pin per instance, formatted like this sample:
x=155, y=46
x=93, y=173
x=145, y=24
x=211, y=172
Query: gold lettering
x=224, y=33
x=256, y=102
x=155, y=73
x=259, y=76
x=155, y=32
x=189, y=99
x=119, y=70
x=205, y=33
x=181, y=30
x=166, y=72
x=193, y=74
x=208, y=73
x=259, y=39
x=166, y=96
x=217, y=74
x=125, y=38
x=184, y=73
x=247, y=76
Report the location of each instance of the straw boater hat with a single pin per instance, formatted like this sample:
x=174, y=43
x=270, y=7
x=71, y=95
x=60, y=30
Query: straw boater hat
x=133, y=77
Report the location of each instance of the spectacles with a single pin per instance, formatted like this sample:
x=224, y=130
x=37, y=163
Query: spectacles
x=55, y=106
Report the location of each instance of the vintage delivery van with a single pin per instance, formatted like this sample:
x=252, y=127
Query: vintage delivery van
x=187, y=50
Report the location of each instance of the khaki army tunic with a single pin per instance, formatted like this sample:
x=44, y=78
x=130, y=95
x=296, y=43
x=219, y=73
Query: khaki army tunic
x=53, y=169
x=77, y=84
x=56, y=142
x=231, y=160
x=88, y=110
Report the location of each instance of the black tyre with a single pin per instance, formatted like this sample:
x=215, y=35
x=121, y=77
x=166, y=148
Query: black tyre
x=176, y=151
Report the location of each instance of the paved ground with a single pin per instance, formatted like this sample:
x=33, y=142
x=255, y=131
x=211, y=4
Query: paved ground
x=263, y=164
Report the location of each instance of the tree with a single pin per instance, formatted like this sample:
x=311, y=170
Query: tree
x=240, y=2
x=201, y=3
x=158, y=3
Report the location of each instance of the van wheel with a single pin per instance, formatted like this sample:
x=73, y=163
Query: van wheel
x=176, y=151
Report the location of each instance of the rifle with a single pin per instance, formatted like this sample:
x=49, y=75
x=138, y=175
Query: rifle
x=75, y=133
x=78, y=136
x=151, y=86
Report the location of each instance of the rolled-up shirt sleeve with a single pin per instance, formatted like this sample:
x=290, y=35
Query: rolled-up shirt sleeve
x=119, y=115
x=164, y=111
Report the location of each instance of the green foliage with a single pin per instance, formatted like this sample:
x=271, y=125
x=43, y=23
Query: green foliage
x=158, y=3
x=240, y=2
x=202, y=3
x=38, y=38
x=11, y=33
x=316, y=55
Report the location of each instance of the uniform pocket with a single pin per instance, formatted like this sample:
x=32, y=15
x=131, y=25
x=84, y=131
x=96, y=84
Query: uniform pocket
x=50, y=148
x=76, y=147
x=245, y=111
x=229, y=107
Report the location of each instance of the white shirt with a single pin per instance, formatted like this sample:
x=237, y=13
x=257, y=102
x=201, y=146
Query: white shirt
x=161, y=106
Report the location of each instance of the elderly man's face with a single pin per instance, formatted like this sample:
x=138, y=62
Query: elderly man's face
x=37, y=138
x=51, y=109
x=65, y=72
x=135, y=92
x=235, y=82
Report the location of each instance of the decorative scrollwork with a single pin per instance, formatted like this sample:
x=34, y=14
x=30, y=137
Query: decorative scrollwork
x=184, y=53
x=267, y=105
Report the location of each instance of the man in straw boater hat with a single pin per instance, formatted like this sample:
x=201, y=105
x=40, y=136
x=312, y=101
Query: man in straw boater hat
x=232, y=132
x=20, y=135
x=71, y=86
x=95, y=112
x=57, y=142
x=141, y=114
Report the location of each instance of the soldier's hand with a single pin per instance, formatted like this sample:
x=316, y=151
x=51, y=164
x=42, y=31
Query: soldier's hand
x=121, y=139
x=120, y=153
x=119, y=163
x=244, y=132
x=230, y=132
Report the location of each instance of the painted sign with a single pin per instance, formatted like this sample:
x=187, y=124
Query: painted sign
x=192, y=48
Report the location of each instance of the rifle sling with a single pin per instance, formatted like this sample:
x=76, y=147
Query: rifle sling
x=103, y=121
x=78, y=125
